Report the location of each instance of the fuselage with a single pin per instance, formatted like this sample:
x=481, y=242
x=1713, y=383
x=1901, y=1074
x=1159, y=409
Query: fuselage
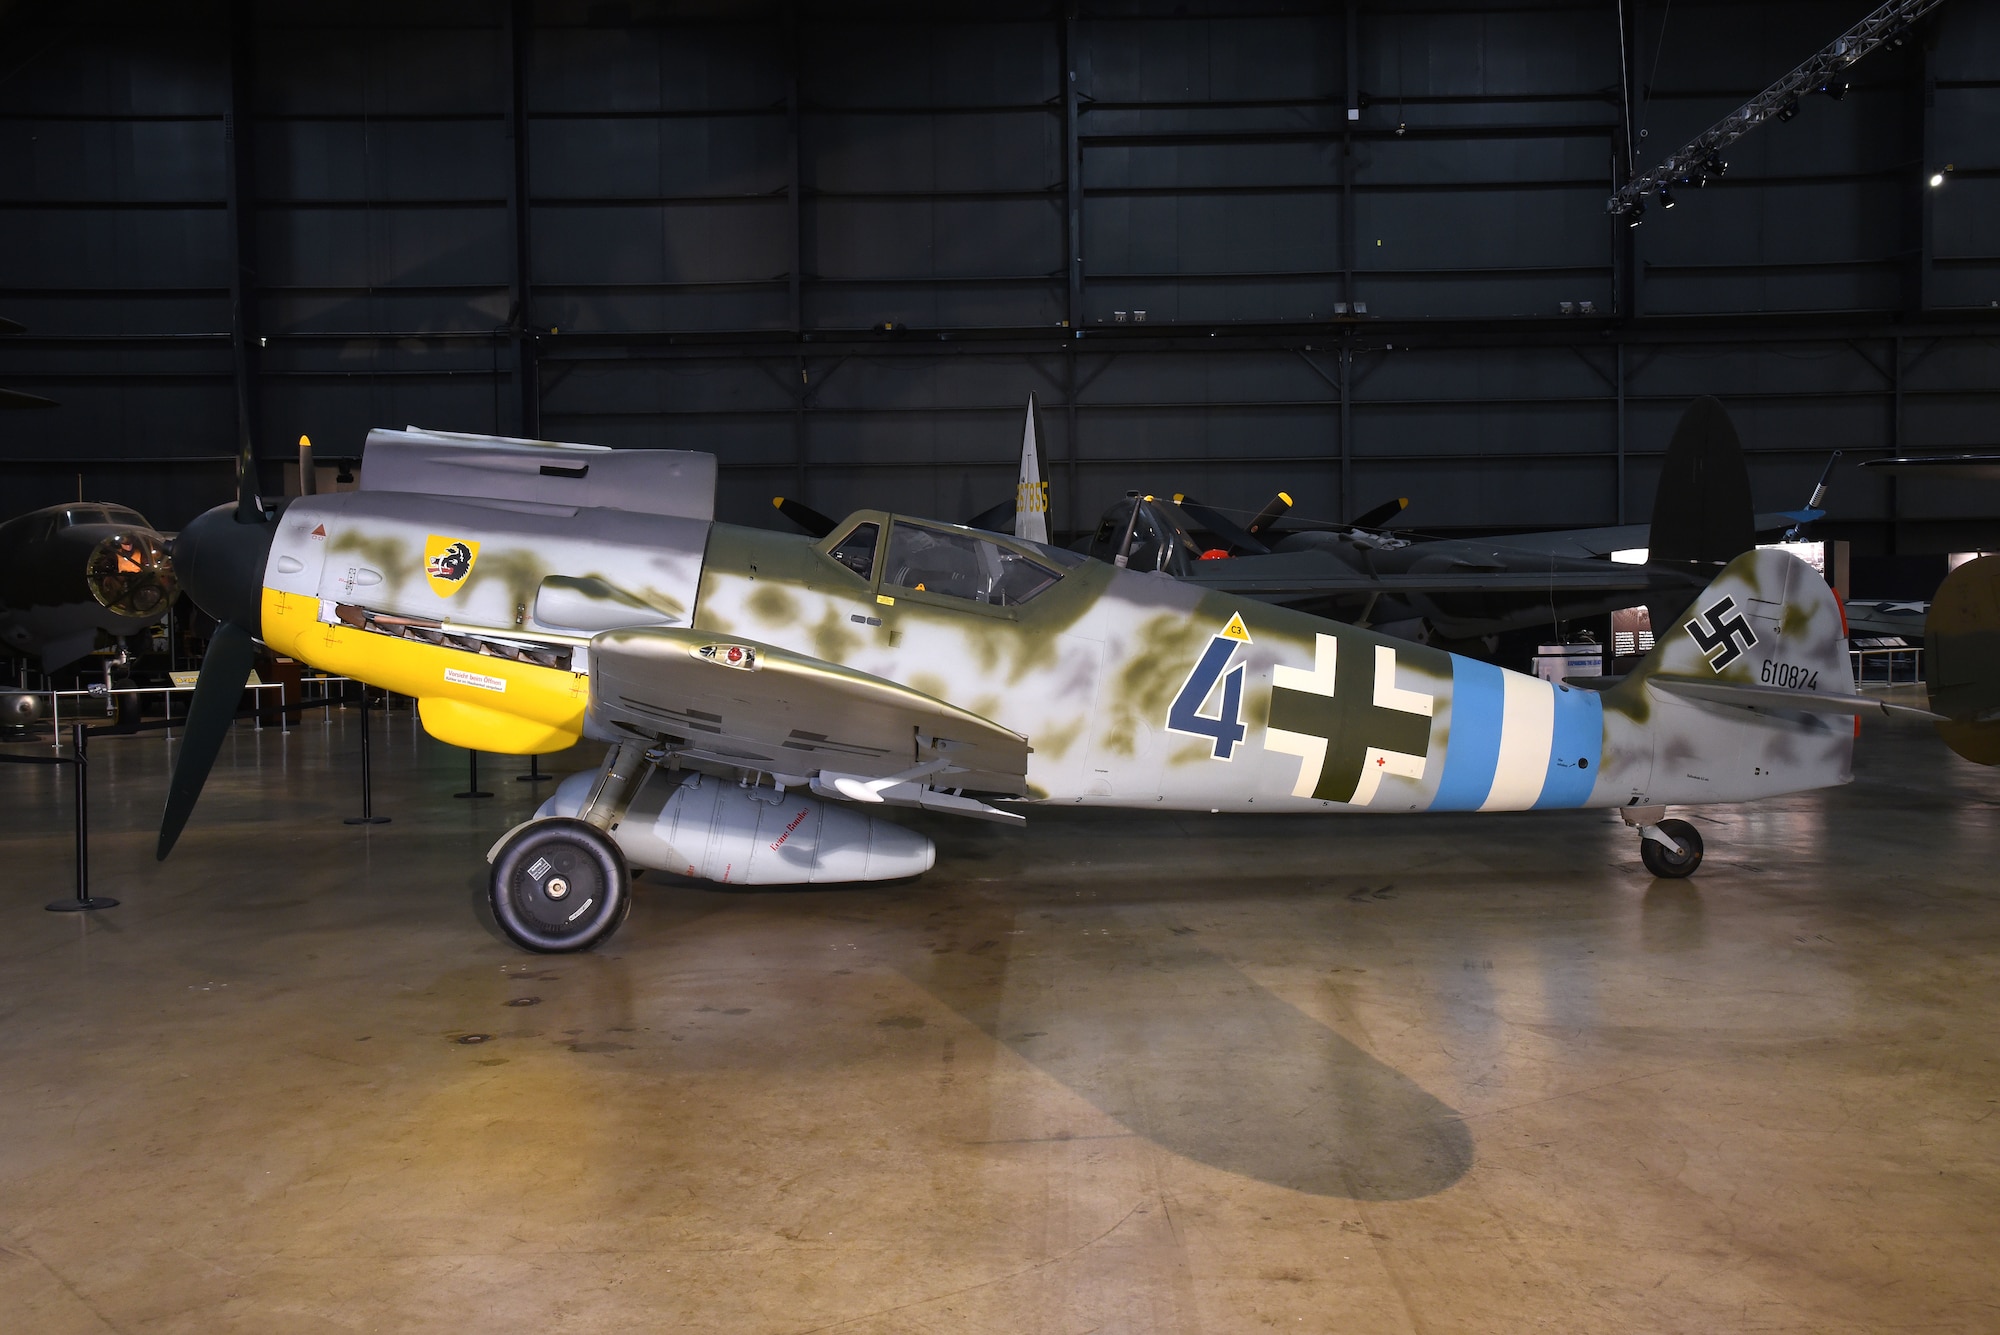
x=1132, y=688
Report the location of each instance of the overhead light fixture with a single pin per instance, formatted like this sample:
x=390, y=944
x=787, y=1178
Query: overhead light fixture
x=1666, y=198
x=1566, y=307
x=1789, y=110
x=1714, y=167
x=1636, y=214
x=1833, y=86
x=1586, y=308
x=1937, y=179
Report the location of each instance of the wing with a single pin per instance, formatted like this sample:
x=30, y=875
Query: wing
x=738, y=702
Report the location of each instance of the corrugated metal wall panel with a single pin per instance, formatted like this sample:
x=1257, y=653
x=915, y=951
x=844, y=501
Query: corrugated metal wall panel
x=697, y=276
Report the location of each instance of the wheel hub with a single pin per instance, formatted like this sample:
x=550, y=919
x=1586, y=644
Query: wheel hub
x=545, y=888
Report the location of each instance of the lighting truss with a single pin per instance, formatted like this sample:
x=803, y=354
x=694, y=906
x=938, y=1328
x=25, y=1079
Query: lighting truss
x=1699, y=160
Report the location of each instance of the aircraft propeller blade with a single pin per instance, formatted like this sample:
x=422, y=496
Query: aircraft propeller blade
x=219, y=559
x=224, y=673
x=308, y=478
x=807, y=518
x=1274, y=510
x=1381, y=514
x=996, y=519
x=14, y=398
x=1222, y=526
x=249, y=505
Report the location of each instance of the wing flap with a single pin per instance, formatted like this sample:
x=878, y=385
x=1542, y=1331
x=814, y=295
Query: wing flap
x=742, y=702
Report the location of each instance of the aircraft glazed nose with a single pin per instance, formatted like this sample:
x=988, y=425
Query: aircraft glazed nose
x=219, y=561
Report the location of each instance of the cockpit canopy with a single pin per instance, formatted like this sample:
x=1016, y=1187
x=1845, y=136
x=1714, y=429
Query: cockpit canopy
x=947, y=560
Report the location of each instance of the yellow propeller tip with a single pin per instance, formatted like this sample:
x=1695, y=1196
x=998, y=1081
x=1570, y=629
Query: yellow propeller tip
x=306, y=441
x=1285, y=497
x=777, y=502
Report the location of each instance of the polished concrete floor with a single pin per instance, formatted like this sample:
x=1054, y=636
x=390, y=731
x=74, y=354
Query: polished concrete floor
x=1113, y=1073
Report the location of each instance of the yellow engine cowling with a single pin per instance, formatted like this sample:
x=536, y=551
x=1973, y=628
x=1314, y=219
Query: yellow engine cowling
x=464, y=699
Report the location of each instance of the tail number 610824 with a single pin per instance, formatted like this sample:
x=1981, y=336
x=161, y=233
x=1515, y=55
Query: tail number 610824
x=1790, y=676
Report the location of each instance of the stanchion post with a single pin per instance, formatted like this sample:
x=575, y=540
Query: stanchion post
x=472, y=789
x=367, y=816
x=83, y=902
x=534, y=774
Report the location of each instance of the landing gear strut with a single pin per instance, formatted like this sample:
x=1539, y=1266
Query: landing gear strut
x=562, y=884
x=1669, y=848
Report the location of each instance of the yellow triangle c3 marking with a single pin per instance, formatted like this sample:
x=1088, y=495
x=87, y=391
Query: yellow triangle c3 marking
x=1234, y=630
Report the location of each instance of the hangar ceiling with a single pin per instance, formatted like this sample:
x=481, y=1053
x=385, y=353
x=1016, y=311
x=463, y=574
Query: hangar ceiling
x=839, y=245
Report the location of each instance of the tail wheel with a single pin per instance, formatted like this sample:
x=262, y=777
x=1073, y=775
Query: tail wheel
x=1663, y=861
x=560, y=885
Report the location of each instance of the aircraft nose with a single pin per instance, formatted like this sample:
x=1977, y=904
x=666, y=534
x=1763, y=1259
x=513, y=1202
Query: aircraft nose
x=219, y=561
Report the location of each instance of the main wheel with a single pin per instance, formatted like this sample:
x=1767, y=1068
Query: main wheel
x=559, y=885
x=1663, y=861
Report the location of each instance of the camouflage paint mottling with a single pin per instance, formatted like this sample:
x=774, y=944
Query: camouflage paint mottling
x=1144, y=685
x=772, y=606
x=833, y=637
x=1055, y=740
x=516, y=572
x=394, y=560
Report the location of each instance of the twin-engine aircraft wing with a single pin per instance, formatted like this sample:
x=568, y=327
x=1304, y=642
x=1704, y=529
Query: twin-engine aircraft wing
x=853, y=736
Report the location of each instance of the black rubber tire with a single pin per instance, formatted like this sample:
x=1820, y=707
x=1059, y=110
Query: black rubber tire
x=1662, y=861
x=560, y=885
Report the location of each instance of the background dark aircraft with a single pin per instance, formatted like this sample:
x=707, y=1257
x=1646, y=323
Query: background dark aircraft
x=77, y=577
x=1460, y=590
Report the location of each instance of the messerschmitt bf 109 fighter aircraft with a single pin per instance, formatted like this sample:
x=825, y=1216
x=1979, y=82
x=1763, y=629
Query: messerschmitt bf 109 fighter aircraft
x=766, y=696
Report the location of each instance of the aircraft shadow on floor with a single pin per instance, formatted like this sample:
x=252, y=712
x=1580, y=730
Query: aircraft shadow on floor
x=1181, y=1047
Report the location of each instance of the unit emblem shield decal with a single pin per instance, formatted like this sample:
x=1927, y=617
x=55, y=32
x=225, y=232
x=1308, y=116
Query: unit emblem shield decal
x=447, y=562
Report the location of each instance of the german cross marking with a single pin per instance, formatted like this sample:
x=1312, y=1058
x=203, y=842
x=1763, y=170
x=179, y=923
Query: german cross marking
x=1347, y=740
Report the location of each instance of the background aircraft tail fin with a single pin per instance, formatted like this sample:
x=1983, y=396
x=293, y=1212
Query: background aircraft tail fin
x=1962, y=653
x=1702, y=513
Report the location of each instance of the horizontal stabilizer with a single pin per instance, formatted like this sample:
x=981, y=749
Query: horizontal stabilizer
x=1747, y=696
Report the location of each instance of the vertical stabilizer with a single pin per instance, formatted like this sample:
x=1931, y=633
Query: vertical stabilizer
x=1747, y=693
x=1031, y=496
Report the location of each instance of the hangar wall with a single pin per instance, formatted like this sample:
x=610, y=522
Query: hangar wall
x=839, y=245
